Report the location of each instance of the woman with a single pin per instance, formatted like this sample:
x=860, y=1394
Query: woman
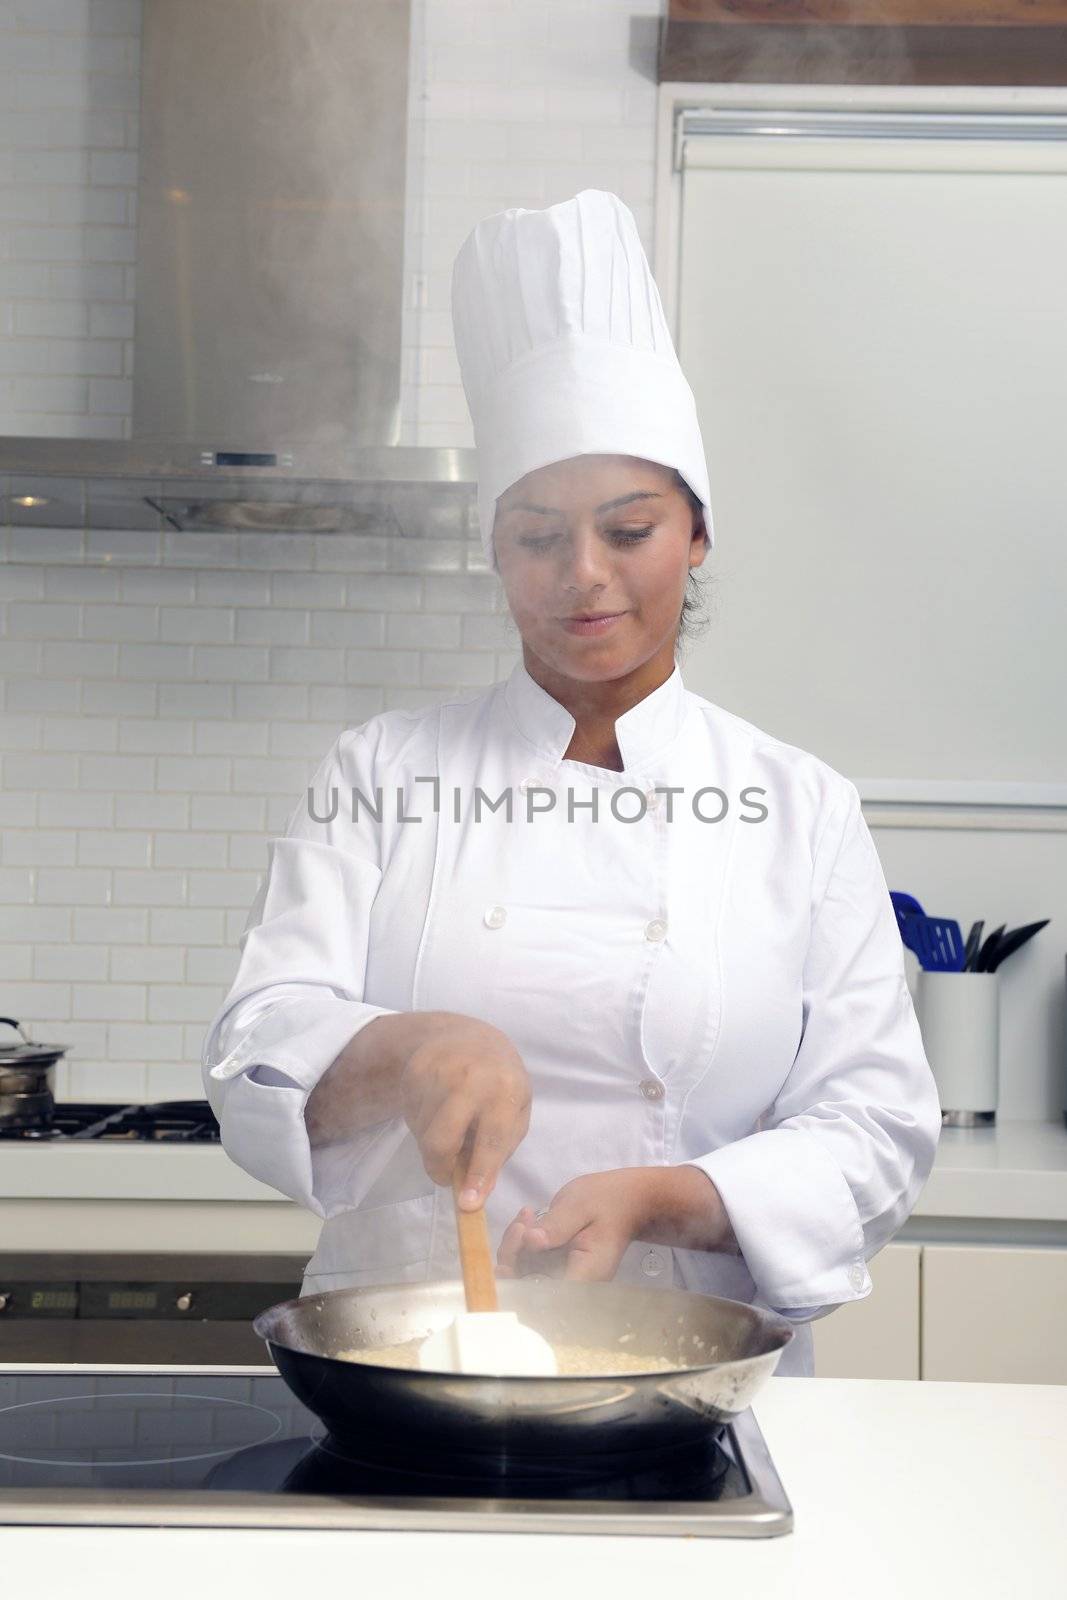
x=625, y=959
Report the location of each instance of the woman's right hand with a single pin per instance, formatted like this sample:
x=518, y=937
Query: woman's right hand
x=466, y=1086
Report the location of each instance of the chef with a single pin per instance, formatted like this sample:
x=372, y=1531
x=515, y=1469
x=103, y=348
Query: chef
x=626, y=960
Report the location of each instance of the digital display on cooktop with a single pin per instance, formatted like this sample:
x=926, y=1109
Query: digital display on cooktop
x=249, y=1434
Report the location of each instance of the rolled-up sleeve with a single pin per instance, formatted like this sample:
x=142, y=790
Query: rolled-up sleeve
x=297, y=997
x=851, y=1138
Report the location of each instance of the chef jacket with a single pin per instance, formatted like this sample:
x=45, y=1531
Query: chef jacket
x=704, y=970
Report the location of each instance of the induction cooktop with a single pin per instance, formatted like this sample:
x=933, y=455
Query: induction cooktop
x=233, y=1447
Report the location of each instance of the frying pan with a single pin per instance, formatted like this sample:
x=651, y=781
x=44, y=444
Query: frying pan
x=725, y=1351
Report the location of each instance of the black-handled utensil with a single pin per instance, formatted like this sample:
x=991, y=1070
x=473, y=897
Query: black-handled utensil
x=971, y=947
x=1012, y=942
x=987, y=950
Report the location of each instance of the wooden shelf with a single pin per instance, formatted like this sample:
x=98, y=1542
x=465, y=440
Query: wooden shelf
x=1007, y=42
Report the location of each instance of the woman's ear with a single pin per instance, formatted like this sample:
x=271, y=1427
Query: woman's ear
x=700, y=543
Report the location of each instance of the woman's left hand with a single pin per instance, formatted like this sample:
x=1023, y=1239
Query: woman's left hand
x=596, y=1217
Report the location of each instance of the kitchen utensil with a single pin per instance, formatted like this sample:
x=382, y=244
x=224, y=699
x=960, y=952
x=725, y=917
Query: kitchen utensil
x=905, y=905
x=1012, y=942
x=910, y=941
x=905, y=920
x=27, y=1079
x=971, y=948
x=937, y=941
x=724, y=1350
x=959, y=1018
x=483, y=1339
x=981, y=960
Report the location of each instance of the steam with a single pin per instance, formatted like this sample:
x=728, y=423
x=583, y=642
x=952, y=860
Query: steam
x=876, y=50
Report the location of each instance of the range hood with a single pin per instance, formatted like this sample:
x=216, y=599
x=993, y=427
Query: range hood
x=270, y=251
x=270, y=227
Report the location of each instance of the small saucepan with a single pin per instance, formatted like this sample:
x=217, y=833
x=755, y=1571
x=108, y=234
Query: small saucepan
x=721, y=1352
x=27, y=1079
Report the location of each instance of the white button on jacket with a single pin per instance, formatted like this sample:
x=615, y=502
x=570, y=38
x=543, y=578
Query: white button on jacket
x=733, y=949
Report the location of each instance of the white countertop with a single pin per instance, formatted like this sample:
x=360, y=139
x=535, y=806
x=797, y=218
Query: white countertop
x=89, y=1169
x=1014, y=1170
x=898, y=1489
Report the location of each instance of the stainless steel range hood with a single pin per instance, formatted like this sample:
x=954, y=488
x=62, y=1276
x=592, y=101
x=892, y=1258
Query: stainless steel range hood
x=270, y=249
x=271, y=226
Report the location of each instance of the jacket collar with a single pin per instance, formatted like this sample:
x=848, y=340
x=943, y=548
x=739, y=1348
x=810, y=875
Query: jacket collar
x=641, y=733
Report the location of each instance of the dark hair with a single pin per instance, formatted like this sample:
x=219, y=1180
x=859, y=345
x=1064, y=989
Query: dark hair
x=693, y=618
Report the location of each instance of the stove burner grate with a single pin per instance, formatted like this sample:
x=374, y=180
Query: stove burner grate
x=165, y=1122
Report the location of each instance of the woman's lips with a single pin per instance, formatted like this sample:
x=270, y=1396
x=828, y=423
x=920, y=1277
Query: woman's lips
x=596, y=625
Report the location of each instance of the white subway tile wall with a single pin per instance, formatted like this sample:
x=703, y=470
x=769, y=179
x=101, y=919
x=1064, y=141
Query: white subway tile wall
x=513, y=103
x=70, y=93
x=135, y=825
x=164, y=697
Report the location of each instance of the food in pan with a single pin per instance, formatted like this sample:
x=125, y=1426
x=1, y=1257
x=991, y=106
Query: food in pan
x=575, y=1361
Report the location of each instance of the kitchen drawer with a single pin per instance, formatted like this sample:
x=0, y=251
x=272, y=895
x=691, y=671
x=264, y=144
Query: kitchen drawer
x=133, y=1343
x=877, y=1337
x=994, y=1313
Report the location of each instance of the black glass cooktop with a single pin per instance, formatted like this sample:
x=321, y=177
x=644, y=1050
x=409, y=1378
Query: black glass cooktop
x=239, y=1450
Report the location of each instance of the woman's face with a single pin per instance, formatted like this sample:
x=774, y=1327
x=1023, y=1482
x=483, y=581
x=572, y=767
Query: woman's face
x=597, y=534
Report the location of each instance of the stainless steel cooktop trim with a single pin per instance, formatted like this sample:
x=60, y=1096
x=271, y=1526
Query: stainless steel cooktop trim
x=765, y=1513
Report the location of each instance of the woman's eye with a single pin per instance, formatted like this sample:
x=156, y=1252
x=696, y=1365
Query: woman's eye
x=620, y=535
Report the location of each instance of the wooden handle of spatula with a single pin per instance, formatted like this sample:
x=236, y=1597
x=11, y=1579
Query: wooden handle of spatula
x=475, y=1252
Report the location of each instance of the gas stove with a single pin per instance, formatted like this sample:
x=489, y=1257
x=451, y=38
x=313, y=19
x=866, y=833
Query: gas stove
x=166, y=1122
x=232, y=1447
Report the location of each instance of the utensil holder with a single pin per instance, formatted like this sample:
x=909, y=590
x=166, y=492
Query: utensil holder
x=959, y=1017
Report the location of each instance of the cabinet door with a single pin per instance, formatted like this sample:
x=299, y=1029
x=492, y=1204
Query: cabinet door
x=877, y=1337
x=994, y=1313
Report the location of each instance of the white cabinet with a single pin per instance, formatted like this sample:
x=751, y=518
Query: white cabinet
x=994, y=1313
x=877, y=1337
x=970, y=1313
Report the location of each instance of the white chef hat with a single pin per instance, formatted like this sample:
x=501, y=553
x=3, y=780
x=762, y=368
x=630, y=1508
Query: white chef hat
x=564, y=348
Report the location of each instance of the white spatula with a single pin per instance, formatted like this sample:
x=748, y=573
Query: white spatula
x=484, y=1339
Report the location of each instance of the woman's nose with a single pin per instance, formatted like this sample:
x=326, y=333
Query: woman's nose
x=585, y=562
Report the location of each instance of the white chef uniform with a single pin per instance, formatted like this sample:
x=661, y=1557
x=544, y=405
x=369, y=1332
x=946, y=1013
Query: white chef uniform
x=728, y=993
